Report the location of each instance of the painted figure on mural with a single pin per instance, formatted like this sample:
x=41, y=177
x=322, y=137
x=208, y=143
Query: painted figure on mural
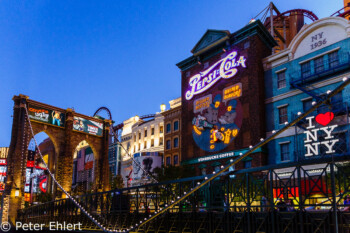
x=213, y=110
x=230, y=116
x=56, y=118
x=215, y=127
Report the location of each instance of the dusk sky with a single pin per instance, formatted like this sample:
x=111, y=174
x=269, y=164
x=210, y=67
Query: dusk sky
x=118, y=54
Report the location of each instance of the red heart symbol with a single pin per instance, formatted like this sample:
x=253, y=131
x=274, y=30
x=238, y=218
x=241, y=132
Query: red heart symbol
x=324, y=119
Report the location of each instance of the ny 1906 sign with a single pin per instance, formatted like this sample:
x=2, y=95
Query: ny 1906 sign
x=312, y=141
x=225, y=68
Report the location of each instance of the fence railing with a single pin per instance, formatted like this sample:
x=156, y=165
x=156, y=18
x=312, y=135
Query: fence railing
x=306, y=197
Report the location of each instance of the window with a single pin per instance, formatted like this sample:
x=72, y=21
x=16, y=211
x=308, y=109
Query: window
x=176, y=125
x=333, y=59
x=135, y=137
x=281, y=80
x=283, y=114
x=79, y=154
x=305, y=69
x=144, y=145
x=247, y=164
x=285, y=152
x=307, y=104
x=161, y=129
x=319, y=66
x=176, y=159
x=168, y=128
x=167, y=161
x=152, y=142
x=145, y=132
x=139, y=135
x=176, y=142
x=161, y=141
x=139, y=146
x=168, y=144
x=203, y=171
x=152, y=131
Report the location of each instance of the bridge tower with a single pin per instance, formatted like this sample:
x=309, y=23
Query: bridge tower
x=65, y=138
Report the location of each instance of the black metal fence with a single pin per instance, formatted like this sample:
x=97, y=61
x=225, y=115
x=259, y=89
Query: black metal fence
x=306, y=197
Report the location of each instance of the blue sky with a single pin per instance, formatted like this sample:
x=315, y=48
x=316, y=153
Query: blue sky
x=119, y=54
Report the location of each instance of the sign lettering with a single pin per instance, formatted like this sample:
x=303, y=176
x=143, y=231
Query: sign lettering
x=312, y=142
x=225, y=68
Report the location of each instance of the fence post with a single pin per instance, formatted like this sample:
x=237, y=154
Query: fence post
x=301, y=211
x=272, y=203
x=248, y=201
x=334, y=203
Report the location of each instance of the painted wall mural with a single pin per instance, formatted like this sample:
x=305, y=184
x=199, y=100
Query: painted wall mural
x=217, y=118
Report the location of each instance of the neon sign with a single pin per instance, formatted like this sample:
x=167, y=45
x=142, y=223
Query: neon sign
x=312, y=142
x=225, y=68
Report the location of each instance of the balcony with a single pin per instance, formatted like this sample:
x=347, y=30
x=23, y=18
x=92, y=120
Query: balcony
x=328, y=69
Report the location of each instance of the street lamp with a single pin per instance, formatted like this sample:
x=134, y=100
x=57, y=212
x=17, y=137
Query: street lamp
x=162, y=107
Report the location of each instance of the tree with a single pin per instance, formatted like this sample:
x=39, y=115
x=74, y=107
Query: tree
x=117, y=182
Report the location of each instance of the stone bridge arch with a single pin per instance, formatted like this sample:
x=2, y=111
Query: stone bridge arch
x=61, y=125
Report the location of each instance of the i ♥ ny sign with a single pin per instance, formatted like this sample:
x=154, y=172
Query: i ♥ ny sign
x=312, y=142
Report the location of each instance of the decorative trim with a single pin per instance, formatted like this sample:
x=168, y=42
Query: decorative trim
x=283, y=105
x=281, y=70
x=285, y=142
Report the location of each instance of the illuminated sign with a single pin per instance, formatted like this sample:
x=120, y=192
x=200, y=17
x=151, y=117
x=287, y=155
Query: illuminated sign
x=48, y=116
x=87, y=126
x=202, y=103
x=312, y=142
x=225, y=68
x=232, y=92
x=218, y=156
x=3, y=162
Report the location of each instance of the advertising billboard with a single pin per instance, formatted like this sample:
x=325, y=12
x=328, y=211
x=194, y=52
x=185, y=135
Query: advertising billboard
x=87, y=126
x=148, y=163
x=48, y=116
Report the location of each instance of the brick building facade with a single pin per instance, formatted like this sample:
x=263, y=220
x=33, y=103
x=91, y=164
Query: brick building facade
x=172, y=134
x=223, y=98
